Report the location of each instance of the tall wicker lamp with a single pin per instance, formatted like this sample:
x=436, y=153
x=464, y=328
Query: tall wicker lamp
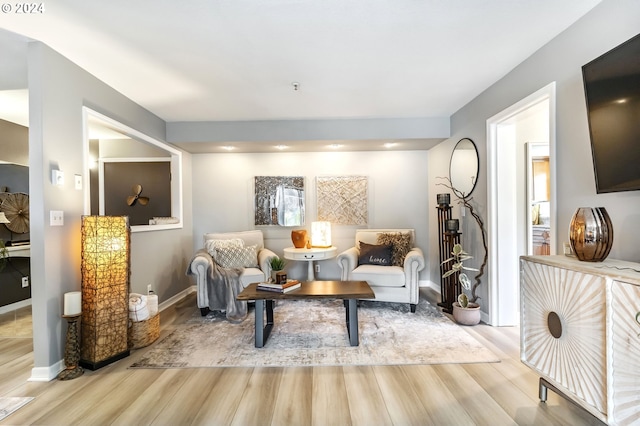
x=105, y=290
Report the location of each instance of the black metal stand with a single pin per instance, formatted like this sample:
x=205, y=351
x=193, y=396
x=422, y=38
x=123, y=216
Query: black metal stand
x=449, y=287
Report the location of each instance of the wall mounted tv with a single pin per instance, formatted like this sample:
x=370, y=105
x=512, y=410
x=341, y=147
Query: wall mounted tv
x=612, y=91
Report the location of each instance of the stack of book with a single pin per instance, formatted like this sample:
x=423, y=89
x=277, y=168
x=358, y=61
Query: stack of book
x=280, y=288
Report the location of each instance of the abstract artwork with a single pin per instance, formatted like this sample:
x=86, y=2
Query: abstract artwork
x=342, y=200
x=279, y=200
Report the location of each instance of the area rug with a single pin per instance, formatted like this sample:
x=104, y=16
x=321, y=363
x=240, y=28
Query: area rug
x=313, y=333
x=8, y=405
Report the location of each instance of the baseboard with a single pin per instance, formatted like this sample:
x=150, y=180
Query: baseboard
x=430, y=284
x=46, y=374
x=15, y=306
x=175, y=299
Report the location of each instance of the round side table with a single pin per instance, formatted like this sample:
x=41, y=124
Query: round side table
x=309, y=255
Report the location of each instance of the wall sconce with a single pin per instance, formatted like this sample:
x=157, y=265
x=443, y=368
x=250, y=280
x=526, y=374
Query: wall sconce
x=321, y=234
x=105, y=290
x=57, y=177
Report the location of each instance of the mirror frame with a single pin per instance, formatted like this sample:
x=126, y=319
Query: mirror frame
x=457, y=191
x=176, y=168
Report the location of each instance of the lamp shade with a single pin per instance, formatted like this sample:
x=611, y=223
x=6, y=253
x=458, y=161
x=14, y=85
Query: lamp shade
x=105, y=289
x=321, y=234
x=3, y=218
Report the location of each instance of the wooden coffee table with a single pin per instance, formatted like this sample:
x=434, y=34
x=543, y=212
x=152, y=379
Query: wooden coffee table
x=349, y=291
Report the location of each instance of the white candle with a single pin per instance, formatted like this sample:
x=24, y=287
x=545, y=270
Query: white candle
x=73, y=303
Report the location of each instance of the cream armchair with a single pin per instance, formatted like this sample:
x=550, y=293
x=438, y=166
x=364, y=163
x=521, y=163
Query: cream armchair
x=202, y=263
x=389, y=283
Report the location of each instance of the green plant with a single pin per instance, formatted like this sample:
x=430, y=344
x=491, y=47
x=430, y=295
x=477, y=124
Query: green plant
x=458, y=256
x=4, y=254
x=276, y=263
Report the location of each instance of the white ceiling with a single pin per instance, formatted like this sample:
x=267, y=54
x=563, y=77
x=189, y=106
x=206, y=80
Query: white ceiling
x=228, y=60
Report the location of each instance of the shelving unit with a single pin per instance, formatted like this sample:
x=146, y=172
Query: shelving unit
x=449, y=287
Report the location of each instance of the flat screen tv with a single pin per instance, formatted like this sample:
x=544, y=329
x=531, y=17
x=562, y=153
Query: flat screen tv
x=612, y=91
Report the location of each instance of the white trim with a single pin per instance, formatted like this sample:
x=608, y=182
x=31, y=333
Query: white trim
x=175, y=299
x=499, y=241
x=46, y=374
x=176, y=169
x=15, y=306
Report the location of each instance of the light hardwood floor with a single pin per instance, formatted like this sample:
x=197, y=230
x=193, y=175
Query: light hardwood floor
x=504, y=393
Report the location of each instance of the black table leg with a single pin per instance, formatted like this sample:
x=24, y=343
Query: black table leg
x=352, y=321
x=263, y=330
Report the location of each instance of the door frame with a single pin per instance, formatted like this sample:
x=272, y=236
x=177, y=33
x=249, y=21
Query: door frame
x=503, y=270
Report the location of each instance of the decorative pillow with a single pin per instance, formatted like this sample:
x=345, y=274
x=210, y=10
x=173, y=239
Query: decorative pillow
x=212, y=245
x=371, y=254
x=401, y=243
x=237, y=257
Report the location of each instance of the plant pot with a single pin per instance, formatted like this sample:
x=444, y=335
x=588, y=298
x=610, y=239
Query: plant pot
x=466, y=316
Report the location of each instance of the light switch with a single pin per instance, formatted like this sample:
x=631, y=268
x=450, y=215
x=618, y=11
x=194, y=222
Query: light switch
x=78, y=181
x=56, y=218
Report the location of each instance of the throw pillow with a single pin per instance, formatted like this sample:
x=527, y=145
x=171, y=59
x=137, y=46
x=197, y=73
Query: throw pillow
x=237, y=257
x=212, y=245
x=401, y=243
x=371, y=254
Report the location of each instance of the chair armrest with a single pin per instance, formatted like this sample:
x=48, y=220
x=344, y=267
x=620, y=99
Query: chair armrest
x=264, y=259
x=348, y=261
x=414, y=260
x=202, y=259
x=200, y=267
x=413, y=264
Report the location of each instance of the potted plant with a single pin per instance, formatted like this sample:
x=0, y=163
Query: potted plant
x=464, y=311
x=4, y=254
x=277, y=264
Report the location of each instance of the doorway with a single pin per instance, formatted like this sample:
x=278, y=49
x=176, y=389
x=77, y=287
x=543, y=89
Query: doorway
x=509, y=202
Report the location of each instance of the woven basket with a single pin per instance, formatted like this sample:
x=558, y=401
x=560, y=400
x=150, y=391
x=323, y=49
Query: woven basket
x=144, y=333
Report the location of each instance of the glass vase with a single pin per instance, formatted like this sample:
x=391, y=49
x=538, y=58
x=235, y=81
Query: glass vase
x=591, y=234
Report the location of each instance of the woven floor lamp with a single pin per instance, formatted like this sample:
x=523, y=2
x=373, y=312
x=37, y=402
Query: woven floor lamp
x=105, y=290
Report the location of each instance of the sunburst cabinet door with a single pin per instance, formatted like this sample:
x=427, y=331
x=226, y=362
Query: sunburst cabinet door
x=625, y=354
x=563, y=330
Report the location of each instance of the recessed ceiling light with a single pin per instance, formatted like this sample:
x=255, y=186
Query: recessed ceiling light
x=281, y=147
x=335, y=146
x=390, y=144
x=228, y=148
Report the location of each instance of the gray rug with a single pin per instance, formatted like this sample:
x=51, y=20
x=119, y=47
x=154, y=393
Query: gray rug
x=9, y=405
x=313, y=333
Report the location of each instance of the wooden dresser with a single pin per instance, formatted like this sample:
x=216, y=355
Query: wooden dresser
x=579, y=332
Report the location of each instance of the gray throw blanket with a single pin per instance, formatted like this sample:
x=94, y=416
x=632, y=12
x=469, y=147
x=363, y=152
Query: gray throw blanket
x=223, y=286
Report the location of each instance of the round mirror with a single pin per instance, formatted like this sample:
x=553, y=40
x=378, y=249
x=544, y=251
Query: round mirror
x=464, y=167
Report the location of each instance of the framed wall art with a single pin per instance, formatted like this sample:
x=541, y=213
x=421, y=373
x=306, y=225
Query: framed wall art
x=342, y=200
x=279, y=200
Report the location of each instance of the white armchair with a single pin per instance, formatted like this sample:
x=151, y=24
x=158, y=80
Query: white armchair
x=389, y=283
x=202, y=263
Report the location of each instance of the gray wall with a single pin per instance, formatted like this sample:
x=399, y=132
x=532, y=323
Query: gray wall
x=58, y=89
x=14, y=145
x=223, y=188
x=607, y=25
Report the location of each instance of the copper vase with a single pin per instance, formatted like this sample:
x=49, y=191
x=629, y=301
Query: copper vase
x=591, y=234
x=299, y=238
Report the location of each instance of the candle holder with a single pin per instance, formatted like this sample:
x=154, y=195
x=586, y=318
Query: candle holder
x=452, y=226
x=444, y=199
x=71, y=350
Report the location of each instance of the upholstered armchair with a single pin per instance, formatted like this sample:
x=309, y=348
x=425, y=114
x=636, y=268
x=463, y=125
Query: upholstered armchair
x=388, y=260
x=221, y=250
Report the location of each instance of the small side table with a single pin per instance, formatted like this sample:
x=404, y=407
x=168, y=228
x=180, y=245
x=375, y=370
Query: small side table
x=309, y=255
